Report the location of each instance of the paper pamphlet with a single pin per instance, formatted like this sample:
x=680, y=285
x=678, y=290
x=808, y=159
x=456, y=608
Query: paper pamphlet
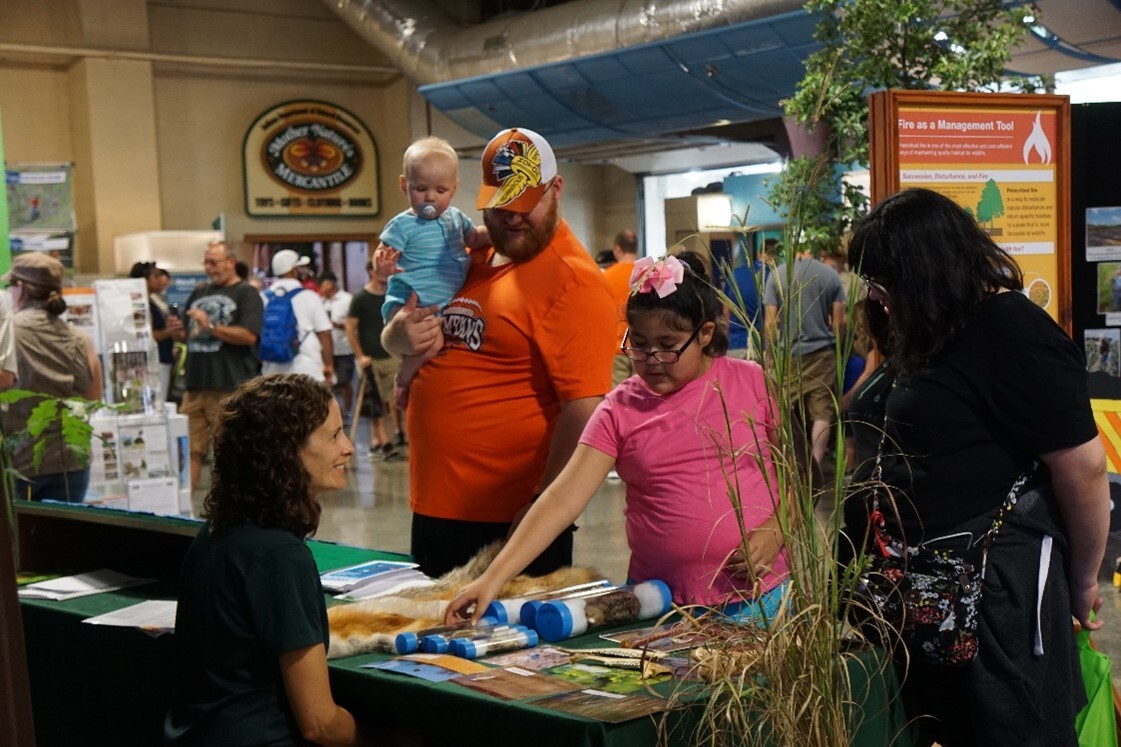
x=389, y=583
x=606, y=679
x=604, y=706
x=514, y=683
x=535, y=659
x=431, y=667
x=157, y=495
x=153, y=615
x=81, y=585
x=345, y=579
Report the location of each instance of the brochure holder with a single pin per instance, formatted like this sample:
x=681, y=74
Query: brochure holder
x=139, y=457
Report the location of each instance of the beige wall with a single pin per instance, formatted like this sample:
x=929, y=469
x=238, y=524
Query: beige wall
x=201, y=123
x=35, y=104
x=114, y=139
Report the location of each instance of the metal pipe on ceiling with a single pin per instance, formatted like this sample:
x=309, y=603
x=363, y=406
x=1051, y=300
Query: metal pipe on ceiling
x=430, y=47
x=40, y=50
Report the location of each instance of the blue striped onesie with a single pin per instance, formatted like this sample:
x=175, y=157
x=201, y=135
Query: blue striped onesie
x=433, y=257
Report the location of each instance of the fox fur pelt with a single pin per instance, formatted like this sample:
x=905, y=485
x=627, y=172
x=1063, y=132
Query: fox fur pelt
x=373, y=625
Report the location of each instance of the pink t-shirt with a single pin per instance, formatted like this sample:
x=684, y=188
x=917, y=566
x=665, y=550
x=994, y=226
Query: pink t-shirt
x=673, y=452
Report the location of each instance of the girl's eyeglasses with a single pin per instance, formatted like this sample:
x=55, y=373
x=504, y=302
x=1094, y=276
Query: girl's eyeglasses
x=661, y=356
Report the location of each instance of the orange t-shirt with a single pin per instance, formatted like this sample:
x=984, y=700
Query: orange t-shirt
x=618, y=277
x=520, y=339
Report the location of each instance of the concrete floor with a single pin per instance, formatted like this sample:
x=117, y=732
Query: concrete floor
x=373, y=511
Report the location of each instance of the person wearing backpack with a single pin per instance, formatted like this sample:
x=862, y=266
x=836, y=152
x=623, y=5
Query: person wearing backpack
x=295, y=332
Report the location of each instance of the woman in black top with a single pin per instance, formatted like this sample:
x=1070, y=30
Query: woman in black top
x=978, y=384
x=251, y=627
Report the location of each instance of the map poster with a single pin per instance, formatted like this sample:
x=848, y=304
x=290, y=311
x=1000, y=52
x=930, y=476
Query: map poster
x=40, y=198
x=1002, y=158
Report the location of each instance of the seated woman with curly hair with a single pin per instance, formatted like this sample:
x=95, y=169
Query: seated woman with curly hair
x=251, y=629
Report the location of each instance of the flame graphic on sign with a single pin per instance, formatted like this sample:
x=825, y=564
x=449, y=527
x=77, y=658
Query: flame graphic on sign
x=1038, y=142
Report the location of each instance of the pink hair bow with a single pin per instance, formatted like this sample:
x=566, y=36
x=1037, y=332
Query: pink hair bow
x=660, y=276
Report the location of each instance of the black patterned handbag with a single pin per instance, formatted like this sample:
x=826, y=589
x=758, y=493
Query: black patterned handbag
x=930, y=597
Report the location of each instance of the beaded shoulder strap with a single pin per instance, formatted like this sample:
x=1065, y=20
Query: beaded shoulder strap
x=878, y=521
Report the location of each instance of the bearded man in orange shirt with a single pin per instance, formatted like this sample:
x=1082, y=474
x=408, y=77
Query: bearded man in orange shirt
x=527, y=357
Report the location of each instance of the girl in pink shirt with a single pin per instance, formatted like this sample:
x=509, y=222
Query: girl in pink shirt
x=666, y=431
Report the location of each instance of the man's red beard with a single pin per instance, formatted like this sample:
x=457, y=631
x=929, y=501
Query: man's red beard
x=527, y=241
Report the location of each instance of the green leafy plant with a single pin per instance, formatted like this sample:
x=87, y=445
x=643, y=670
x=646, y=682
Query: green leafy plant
x=52, y=424
x=867, y=45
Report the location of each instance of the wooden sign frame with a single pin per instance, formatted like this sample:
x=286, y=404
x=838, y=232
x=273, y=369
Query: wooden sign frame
x=1003, y=156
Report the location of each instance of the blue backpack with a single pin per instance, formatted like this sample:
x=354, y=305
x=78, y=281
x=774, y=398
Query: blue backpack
x=280, y=333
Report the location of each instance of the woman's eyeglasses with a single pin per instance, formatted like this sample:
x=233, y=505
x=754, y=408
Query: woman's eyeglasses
x=876, y=291
x=661, y=356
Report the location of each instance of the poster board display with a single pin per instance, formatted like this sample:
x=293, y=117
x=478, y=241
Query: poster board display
x=1005, y=158
x=40, y=209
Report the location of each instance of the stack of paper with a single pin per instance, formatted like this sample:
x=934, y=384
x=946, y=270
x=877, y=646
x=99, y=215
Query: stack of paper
x=372, y=579
x=84, y=584
x=156, y=616
x=387, y=583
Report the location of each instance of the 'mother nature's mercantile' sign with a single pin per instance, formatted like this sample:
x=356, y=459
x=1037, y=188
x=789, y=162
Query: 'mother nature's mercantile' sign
x=310, y=158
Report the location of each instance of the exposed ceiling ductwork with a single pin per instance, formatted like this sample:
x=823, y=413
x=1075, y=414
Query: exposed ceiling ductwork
x=591, y=73
x=603, y=78
x=432, y=48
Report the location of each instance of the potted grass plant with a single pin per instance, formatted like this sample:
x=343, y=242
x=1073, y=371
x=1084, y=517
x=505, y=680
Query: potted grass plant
x=801, y=678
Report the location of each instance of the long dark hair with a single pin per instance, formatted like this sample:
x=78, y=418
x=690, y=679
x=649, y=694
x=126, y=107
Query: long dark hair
x=258, y=476
x=937, y=266
x=693, y=303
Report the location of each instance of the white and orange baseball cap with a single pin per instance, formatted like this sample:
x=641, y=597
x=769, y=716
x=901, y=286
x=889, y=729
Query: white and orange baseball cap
x=518, y=166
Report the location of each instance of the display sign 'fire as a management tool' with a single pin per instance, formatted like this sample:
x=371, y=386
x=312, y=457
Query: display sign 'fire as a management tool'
x=310, y=158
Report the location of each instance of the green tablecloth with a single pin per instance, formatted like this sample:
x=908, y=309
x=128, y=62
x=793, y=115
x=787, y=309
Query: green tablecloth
x=450, y=714
x=100, y=685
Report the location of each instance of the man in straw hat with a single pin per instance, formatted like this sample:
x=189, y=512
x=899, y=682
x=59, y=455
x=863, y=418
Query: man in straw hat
x=527, y=358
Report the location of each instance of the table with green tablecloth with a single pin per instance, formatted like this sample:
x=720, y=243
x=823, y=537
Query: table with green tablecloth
x=101, y=685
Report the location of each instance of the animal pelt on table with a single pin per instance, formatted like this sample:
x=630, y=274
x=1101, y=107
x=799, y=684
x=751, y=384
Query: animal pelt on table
x=373, y=625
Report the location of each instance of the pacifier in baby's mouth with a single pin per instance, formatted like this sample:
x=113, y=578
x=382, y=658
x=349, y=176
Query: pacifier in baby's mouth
x=428, y=212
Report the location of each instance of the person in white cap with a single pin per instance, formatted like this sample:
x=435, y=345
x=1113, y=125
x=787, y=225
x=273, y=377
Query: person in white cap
x=431, y=240
x=315, y=356
x=527, y=358
x=224, y=322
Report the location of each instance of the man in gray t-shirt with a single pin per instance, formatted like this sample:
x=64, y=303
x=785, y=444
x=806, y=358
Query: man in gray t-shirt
x=809, y=302
x=223, y=324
